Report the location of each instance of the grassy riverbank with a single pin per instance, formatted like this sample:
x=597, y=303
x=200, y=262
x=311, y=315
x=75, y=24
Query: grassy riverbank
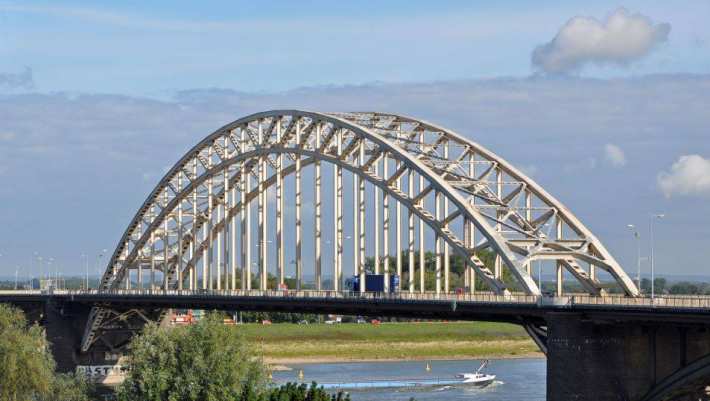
x=290, y=343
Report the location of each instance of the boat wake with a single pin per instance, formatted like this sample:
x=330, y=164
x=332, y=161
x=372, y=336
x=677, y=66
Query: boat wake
x=473, y=380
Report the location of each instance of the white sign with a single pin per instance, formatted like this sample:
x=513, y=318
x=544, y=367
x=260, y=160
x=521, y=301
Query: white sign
x=101, y=372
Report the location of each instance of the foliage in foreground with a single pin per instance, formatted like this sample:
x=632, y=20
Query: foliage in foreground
x=302, y=392
x=206, y=361
x=27, y=367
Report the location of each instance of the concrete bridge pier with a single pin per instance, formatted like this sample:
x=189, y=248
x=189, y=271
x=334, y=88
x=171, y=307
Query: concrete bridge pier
x=632, y=360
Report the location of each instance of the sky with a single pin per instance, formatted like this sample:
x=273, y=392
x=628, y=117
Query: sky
x=604, y=104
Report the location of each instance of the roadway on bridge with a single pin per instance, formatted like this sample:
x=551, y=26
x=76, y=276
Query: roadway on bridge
x=484, y=306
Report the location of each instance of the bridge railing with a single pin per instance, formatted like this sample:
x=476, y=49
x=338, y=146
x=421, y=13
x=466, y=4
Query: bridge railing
x=676, y=301
x=20, y=292
x=327, y=294
x=666, y=301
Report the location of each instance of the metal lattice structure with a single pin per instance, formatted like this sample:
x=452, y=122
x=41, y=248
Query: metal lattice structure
x=194, y=230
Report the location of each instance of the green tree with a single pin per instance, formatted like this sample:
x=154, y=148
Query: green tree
x=302, y=392
x=206, y=361
x=456, y=274
x=70, y=387
x=26, y=366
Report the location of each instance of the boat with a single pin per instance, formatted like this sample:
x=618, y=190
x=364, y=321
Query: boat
x=475, y=379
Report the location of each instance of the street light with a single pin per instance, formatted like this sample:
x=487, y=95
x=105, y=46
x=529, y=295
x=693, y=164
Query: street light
x=638, y=254
x=98, y=259
x=86, y=282
x=41, y=272
x=653, y=258
x=49, y=270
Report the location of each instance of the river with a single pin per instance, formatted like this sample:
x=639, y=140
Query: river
x=517, y=379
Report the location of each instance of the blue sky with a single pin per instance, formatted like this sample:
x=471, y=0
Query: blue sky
x=153, y=50
x=97, y=99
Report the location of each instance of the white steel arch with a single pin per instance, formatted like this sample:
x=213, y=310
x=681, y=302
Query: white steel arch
x=191, y=216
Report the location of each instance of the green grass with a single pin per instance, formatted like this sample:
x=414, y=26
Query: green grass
x=385, y=332
x=389, y=340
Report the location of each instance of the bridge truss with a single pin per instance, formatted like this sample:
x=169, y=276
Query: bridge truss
x=430, y=189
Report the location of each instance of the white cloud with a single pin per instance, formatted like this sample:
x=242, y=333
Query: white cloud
x=614, y=155
x=690, y=175
x=22, y=80
x=620, y=39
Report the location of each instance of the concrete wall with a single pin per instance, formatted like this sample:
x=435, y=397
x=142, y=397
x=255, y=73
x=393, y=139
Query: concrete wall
x=619, y=361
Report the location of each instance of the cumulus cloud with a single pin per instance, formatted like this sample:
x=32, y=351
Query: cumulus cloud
x=620, y=39
x=22, y=80
x=689, y=175
x=614, y=155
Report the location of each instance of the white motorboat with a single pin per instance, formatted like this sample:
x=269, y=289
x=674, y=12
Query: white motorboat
x=477, y=378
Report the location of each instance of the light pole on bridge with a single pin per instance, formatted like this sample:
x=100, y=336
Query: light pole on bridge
x=49, y=270
x=98, y=261
x=653, y=258
x=41, y=271
x=86, y=277
x=638, y=254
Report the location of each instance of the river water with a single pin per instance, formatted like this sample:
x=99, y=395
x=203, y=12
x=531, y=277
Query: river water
x=516, y=379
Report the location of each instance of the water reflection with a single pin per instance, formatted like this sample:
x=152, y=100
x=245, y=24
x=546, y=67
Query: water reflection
x=517, y=379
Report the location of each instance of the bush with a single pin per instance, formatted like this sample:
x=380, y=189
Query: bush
x=70, y=387
x=206, y=361
x=27, y=367
x=301, y=392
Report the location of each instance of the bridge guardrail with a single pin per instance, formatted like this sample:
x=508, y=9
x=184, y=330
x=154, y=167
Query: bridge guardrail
x=659, y=302
x=674, y=301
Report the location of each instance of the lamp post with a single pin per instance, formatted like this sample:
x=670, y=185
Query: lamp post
x=17, y=270
x=49, y=270
x=86, y=278
x=98, y=259
x=653, y=258
x=41, y=272
x=638, y=254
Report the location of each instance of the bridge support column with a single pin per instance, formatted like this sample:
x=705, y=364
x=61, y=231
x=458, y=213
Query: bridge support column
x=630, y=360
x=447, y=262
x=386, y=226
x=338, y=217
x=422, y=250
x=410, y=234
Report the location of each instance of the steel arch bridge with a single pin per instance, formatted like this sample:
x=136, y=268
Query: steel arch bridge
x=432, y=189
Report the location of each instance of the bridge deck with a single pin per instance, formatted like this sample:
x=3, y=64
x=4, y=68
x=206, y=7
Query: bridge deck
x=483, y=306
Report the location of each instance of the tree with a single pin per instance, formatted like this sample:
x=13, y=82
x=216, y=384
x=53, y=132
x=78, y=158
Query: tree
x=457, y=265
x=302, y=392
x=70, y=387
x=26, y=367
x=206, y=361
